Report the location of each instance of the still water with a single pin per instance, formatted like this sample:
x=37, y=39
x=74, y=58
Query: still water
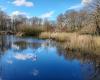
x=35, y=59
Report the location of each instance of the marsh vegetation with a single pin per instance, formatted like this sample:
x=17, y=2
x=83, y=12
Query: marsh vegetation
x=44, y=49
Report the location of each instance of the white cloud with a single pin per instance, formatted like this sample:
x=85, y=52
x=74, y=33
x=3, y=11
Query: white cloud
x=86, y=1
x=76, y=6
x=47, y=14
x=82, y=4
x=15, y=13
x=23, y=3
x=18, y=13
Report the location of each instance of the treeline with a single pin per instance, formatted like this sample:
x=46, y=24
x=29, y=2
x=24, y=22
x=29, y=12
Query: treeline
x=20, y=23
x=86, y=20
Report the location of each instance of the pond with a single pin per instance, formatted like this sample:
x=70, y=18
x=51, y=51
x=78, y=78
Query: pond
x=36, y=59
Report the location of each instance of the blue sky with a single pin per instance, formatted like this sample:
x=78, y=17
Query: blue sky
x=39, y=8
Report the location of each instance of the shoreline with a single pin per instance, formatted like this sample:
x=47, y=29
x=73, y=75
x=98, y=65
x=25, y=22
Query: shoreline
x=75, y=41
x=71, y=41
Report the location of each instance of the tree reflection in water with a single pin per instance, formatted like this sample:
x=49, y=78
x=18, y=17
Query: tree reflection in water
x=5, y=43
x=84, y=58
x=10, y=42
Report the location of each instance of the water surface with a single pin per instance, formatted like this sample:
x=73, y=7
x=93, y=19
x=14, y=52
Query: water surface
x=35, y=59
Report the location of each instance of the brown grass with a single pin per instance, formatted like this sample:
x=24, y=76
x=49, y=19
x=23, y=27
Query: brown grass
x=86, y=43
x=57, y=36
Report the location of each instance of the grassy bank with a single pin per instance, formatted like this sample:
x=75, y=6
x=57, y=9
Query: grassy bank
x=75, y=41
x=29, y=31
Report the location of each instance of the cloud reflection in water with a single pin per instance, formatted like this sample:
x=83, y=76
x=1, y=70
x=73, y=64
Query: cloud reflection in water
x=20, y=56
x=9, y=61
x=35, y=72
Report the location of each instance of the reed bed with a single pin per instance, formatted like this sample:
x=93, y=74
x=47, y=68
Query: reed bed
x=75, y=41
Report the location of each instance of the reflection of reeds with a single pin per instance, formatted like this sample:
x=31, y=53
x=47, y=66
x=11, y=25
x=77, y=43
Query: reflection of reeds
x=21, y=44
x=96, y=75
x=84, y=58
x=86, y=43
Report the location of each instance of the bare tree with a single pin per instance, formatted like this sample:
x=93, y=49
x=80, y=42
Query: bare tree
x=36, y=22
x=17, y=20
x=47, y=25
x=95, y=13
x=3, y=20
x=60, y=22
